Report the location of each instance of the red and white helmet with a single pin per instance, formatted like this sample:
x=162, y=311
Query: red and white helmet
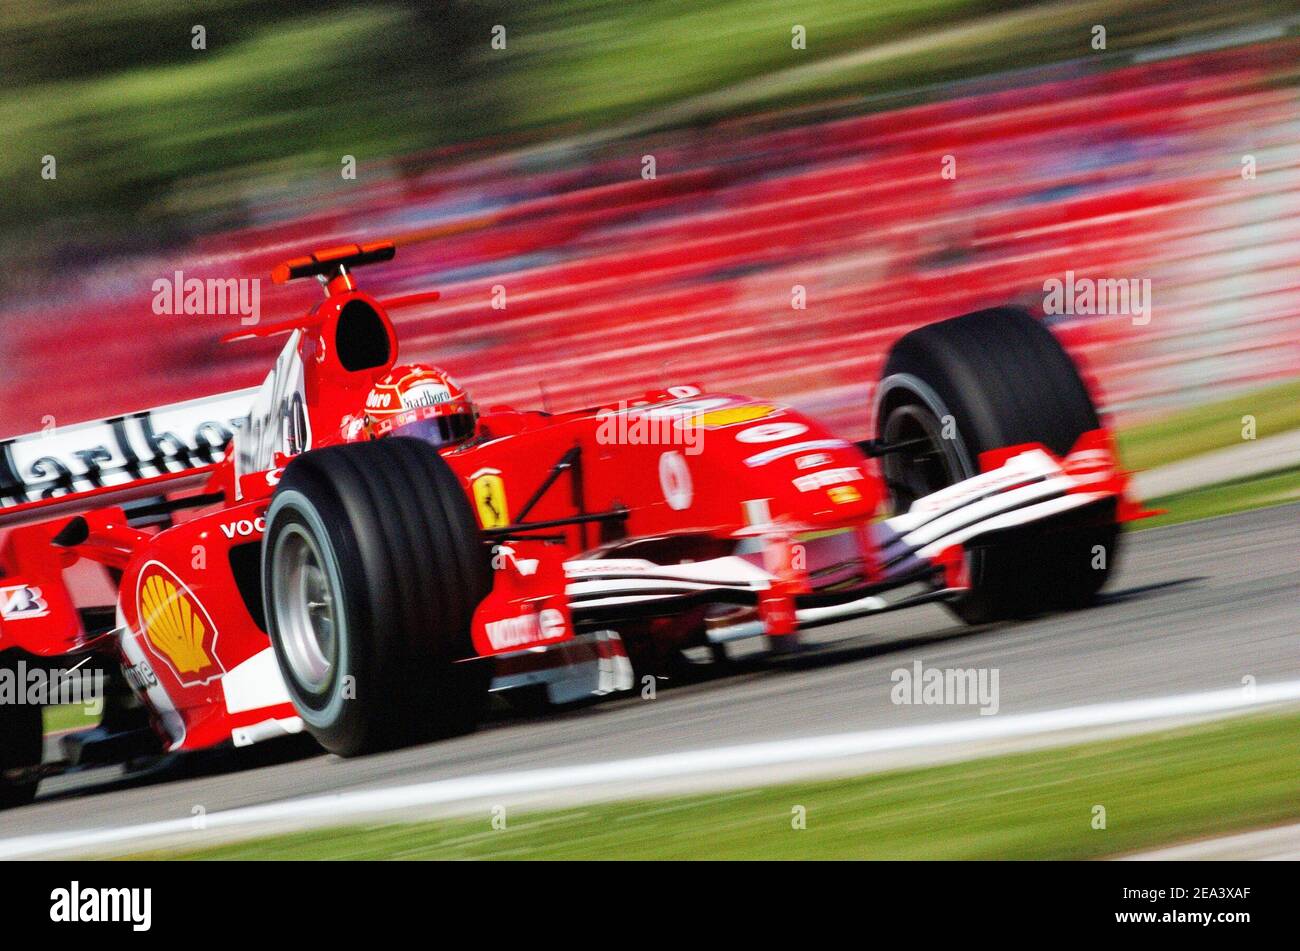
x=423, y=402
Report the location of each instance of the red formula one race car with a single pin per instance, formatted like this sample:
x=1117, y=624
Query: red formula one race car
x=369, y=556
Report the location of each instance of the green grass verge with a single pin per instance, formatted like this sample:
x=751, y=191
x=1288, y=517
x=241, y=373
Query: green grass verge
x=1217, y=425
x=1274, y=488
x=68, y=716
x=1156, y=789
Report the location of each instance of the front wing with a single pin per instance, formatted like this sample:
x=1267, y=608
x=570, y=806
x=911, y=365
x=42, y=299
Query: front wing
x=910, y=558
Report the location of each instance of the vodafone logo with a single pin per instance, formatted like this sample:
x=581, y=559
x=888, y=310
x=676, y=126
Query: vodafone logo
x=526, y=629
x=244, y=527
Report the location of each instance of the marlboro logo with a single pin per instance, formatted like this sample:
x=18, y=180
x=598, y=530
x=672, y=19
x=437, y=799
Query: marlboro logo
x=68, y=460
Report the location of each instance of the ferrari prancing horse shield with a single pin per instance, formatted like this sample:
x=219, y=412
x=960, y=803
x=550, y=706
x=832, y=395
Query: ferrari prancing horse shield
x=490, y=498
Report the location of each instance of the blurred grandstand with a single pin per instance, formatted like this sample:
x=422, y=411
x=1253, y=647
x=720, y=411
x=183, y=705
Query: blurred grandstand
x=1128, y=168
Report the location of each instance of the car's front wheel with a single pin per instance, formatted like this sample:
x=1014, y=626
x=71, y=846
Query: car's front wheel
x=372, y=566
x=995, y=378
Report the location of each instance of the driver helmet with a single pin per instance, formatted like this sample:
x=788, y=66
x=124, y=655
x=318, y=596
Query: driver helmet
x=423, y=402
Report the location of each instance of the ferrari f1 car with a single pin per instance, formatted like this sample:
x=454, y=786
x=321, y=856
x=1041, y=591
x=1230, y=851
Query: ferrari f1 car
x=281, y=565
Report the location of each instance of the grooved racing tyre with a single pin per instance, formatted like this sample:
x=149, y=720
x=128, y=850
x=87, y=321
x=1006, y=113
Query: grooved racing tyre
x=22, y=737
x=372, y=566
x=1003, y=379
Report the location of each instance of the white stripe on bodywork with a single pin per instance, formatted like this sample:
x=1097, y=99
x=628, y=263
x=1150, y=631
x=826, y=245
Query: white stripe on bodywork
x=649, y=585
x=1021, y=516
x=254, y=684
x=591, y=577
x=1032, y=464
x=634, y=773
x=159, y=699
x=780, y=452
x=620, y=599
x=266, y=730
x=985, y=509
x=726, y=570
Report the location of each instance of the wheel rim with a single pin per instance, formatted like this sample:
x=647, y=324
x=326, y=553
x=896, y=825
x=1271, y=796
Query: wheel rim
x=306, y=608
x=931, y=462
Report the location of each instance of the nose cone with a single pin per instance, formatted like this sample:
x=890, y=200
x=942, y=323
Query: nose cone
x=792, y=469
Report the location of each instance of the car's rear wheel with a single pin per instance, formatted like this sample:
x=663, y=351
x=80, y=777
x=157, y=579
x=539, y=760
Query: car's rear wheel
x=372, y=566
x=958, y=388
x=22, y=739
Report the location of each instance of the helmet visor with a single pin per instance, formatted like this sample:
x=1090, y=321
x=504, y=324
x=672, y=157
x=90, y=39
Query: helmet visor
x=439, y=430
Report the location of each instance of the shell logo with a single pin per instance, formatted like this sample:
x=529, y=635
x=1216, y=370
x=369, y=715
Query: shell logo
x=719, y=418
x=177, y=627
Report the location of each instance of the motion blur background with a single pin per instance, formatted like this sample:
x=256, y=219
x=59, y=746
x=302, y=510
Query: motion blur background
x=792, y=144
x=798, y=150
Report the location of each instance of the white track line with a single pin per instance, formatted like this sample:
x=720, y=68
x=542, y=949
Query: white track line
x=338, y=806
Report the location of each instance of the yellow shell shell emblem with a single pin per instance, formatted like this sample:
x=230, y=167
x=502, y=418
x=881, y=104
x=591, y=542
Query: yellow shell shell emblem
x=177, y=628
x=718, y=418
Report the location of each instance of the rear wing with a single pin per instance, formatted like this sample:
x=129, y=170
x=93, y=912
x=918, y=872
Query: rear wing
x=74, y=468
x=331, y=263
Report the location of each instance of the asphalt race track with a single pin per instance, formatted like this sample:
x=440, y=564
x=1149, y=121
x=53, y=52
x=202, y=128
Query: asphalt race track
x=1194, y=607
